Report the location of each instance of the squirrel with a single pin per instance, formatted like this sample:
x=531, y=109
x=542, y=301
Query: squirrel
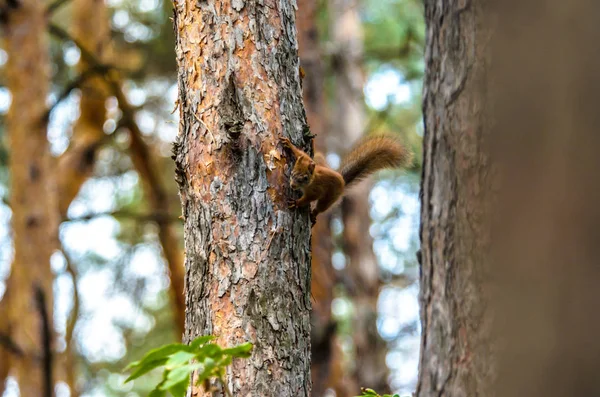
x=319, y=182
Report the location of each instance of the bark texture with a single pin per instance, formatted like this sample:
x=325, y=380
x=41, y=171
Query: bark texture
x=456, y=357
x=33, y=200
x=326, y=363
x=362, y=267
x=247, y=255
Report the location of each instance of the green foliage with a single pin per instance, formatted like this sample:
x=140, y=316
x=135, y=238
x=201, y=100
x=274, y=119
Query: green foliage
x=179, y=361
x=372, y=393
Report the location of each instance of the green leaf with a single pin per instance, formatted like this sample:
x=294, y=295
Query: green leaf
x=199, y=341
x=158, y=353
x=180, y=388
x=210, y=350
x=209, y=366
x=179, y=375
x=157, y=393
x=144, y=367
x=368, y=392
x=243, y=351
x=224, y=362
x=178, y=359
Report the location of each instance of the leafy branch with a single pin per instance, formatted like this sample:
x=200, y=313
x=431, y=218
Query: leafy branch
x=372, y=393
x=207, y=359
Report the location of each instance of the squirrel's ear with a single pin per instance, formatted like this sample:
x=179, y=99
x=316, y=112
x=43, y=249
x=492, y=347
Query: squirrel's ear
x=311, y=167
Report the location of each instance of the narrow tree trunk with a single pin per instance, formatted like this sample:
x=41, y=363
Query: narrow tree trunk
x=456, y=357
x=75, y=166
x=154, y=188
x=247, y=255
x=33, y=201
x=91, y=27
x=158, y=197
x=326, y=363
x=362, y=267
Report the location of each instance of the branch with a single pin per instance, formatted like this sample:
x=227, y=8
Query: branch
x=11, y=345
x=72, y=320
x=86, y=54
x=62, y=34
x=76, y=83
x=46, y=336
x=69, y=353
x=54, y=6
x=158, y=217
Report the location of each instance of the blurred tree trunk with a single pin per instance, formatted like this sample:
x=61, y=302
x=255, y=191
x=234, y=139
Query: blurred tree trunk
x=142, y=158
x=247, y=255
x=456, y=357
x=326, y=357
x=546, y=245
x=91, y=27
x=362, y=267
x=155, y=190
x=33, y=199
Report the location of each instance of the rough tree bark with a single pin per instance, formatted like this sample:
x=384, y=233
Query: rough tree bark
x=33, y=200
x=247, y=255
x=362, y=267
x=326, y=364
x=456, y=357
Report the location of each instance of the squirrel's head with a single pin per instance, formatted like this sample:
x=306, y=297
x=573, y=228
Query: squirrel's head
x=302, y=174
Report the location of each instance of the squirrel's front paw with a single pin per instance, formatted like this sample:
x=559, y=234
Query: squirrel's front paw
x=285, y=141
x=313, y=219
x=292, y=204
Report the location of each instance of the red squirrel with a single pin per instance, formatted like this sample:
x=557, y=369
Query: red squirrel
x=319, y=182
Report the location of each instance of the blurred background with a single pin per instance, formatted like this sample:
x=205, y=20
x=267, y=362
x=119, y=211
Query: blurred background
x=118, y=272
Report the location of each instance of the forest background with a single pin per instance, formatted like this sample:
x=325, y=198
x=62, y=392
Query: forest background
x=116, y=276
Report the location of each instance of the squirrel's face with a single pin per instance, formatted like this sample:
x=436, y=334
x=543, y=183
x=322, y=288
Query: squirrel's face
x=302, y=174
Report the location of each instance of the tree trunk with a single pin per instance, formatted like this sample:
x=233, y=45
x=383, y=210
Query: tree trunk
x=326, y=363
x=247, y=255
x=547, y=145
x=362, y=267
x=144, y=162
x=76, y=165
x=456, y=357
x=33, y=201
x=91, y=27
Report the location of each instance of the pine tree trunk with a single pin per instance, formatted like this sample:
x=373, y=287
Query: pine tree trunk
x=32, y=198
x=247, y=255
x=456, y=357
x=362, y=267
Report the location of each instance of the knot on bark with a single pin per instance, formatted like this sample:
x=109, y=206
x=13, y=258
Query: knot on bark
x=232, y=115
x=178, y=157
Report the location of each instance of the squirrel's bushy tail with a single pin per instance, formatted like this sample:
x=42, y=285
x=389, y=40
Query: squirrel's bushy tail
x=372, y=154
